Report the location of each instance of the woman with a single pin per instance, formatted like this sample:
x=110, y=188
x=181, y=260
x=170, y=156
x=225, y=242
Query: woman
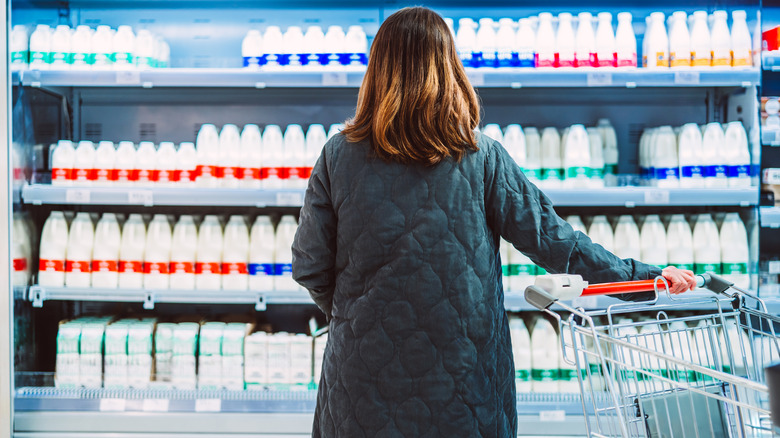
x=398, y=245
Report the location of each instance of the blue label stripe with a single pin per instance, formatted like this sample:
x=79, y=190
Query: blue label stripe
x=692, y=171
x=739, y=171
x=717, y=171
x=666, y=172
x=261, y=269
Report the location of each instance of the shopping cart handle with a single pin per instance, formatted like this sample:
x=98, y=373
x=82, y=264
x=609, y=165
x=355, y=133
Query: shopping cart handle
x=538, y=297
x=713, y=282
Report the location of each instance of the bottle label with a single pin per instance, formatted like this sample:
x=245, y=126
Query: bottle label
x=545, y=61
x=261, y=269
x=606, y=60
x=685, y=266
x=234, y=268
x=284, y=269
x=20, y=57
x=45, y=265
x=564, y=62
x=144, y=61
x=105, y=175
x=578, y=172
x=734, y=268
x=742, y=58
x=628, y=61
x=592, y=60
x=663, y=173
x=701, y=59
x=146, y=175
x=255, y=61
x=166, y=175
x=206, y=171
x=40, y=57
x=692, y=171
x=85, y=175
x=156, y=268
x=506, y=57
x=229, y=172
x=738, y=171
x=516, y=269
x=102, y=59
x=187, y=175
x=80, y=58
x=567, y=374
x=505, y=270
x=105, y=266
x=540, y=270
x=721, y=59
x=182, y=268
x=523, y=375
x=544, y=375
x=706, y=267
x=131, y=267
x=323, y=58
x=681, y=60
x=59, y=174
x=207, y=268
x=532, y=173
x=250, y=173
x=716, y=171
x=524, y=58
x=551, y=173
x=125, y=58
x=293, y=172
x=661, y=59
x=20, y=265
x=61, y=58
x=597, y=173
x=77, y=266
x=125, y=175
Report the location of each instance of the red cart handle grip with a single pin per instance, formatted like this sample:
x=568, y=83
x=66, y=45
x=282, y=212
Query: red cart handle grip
x=623, y=287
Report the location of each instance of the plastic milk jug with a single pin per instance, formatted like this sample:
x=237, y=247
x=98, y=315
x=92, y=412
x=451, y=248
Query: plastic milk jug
x=627, y=239
x=229, y=168
x=105, y=255
x=545, y=41
x=208, y=272
x=706, y=245
x=184, y=245
x=63, y=164
x=251, y=157
x=544, y=357
x=131, y=253
x=125, y=164
x=261, y=255
x=285, y=232
x=235, y=257
x=207, y=145
x=157, y=257
x=679, y=243
x=53, y=250
x=78, y=263
x=653, y=242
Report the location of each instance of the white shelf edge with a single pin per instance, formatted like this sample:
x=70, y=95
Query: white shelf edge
x=770, y=217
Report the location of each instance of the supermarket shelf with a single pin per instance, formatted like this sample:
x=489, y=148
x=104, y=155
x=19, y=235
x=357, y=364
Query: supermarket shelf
x=770, y=60
x=352, y=78
x=38, y=194
x=770, y=217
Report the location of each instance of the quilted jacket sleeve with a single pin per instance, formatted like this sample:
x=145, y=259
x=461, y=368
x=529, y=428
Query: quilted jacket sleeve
x=525, y=217
x=314, y=247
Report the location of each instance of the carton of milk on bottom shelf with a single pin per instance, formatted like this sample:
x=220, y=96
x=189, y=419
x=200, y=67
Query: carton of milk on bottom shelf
x=233, y=356
x=300, y=360
x=163, y=352
x=256, y=360
x=185, y=343
x=91, y=354
x=210, y=356
x=115, y=356
x=139, y=354
x=279, y=372
x=67, y=360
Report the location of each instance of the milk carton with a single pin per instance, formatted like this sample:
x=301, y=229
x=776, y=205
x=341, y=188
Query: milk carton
x=251, y=157
x=115, y=357
x=627, y=240
x=679, y=243
x=229, y=169
x=105, y=255
x=285, y=233
x=67, y=359
x=157, y=256
x=61, y=50
x=279, y=363
x=256, y=360
x=701, y=43
x=40, y=47
x=53, y=251
x=183, y=364
x=721, y=40
x=606, y=49
x=653, y=242
x=319, y=355
x=163, y=352
x=184, y=244
x=126, y=174
x=131, y=253
x=625, y=41
x=210, y=356
x=252, y=50
x=545, y=42
x=544, y=357
x=235, y=257
x=233, y=356
x=78, y=263
x=565, y=42
x=679, y=41
x=706, y=249
x=91, y=354
x=261, y=255
x=521, y=350
x=208, y=272
x=300, y=360
x=585, y=42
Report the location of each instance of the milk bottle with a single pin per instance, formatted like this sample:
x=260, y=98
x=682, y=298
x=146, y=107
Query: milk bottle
x=657, y=53
x=19, y=46
x=252, y=49
x=40, y=47
x=741, y=43
x=506, y=51
x=609, y=138
x=84, y=164
x=229, y=167
x=295, y=157
x=679, y=243
x=701, y=43
x=78, y=262
x=61, y=49
x=105, y=255
x=102, y=48
x=63, y=162
x=131, y=253
x=545, y=41
x=606, y=50
x=467, y=42
x=144, y=49
x=525, y=44
x=521, y=350
x=625, y=41
x=741, y=355
x=146, y=164
x=544, y=357
x=273, y=45
x=357, y=45
x=596, y=158
x=690, y=153
x=503, y=252
x=645, y=172
x=334, y=129
x=493, y=131
x=600, y=232
x=679, y=41
x=335, y=42
x=273, y=172
x=235, y=274
x=105, y=158
x=251, y=158
x=285, y=233
x=735, y=254
x=166, y=174
x=551, y=159
x=564, y=42
x=315, y=141
x=706, y=250
x=576, y=158
x=124, y=48
x=576, y=223
x=186, y=164
x=207, y=145
x=53, y=250
x=533, y=155
x=81, y=46
x=522, y=271
x=721, y=40
x=486, y=43
x=21, y=252
x=736, y=155
x=184, y=244
x=665, y=163
x=261, y=255
x=585, y=43
x=157, y=257
x=292, y=45
x=653, y=242
x=126, y=174
x=628, y=243
x=209, y=255
x=712, y=147
x=314, y=41
x=514, y=142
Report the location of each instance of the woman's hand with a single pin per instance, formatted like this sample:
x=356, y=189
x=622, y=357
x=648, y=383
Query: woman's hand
x=680, y=280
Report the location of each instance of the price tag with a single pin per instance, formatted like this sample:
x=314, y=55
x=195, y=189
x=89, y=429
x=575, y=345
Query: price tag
x=334, y=79
x=155, y=405
x=477, y=78
x=77, y=196
x=208, y=405
x=552, y=416
x=289, y=199
x=128, y=77
x=112, y=404
x=599, y=79
x=774, y=267
x=686, y=78
x=143, y=197
x=657, y=197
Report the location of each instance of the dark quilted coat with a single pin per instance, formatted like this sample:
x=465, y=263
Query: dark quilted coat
x=404, y=261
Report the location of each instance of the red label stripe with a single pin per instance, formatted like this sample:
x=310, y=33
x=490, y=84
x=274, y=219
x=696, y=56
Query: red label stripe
x=105, y=266
x=234, y=268
x=182, y=267
x=77, y=266
x=155, y=268
x=131, y=267
x=207, y=268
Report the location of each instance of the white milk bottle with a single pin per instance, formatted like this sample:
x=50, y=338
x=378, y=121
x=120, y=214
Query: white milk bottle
x=657, y=54
x=545, y=41
x=679, y=41
x=273, y=45
x=715, y=167
x=61, y=49
x=522, y=271
x=21, y=252
x=105, y=160
x=131, y=253
x=741, y=43
x=493, y=131
x=294, y=158
x=533, y=155
x=596, y=158
x=467, y=42
x=335, y=41
x=272, y=171
x=503, y=252
x=261, y=255
x=576, y=223
x=53, y=250
x=625, y=41
x=551, y=159
x=357, y=45
x=229, y=168
x=19, y=46
x=644, y=162
x=251, y=156
x=565, y=42
x=81, y=45
x=125, y=164
x=585, y=42
x=736, y=155
x=514, y=142
x=40, y=47
x=63, y=161
x=252, y=49
x=157, y=256
x=576, y=158
x=144, y=49
x=146, y=164
x=102, y=48
x=78, y=263
x=665, y=163
x=285, y=232
x=679, y=243
x=606, y=50
x=208, y=272
x=653, y=242
x=525, y=44
x=486, y=43
x=124, y=48
x=628, y=243
x=706, y=245
x=609, y=138
x=721, y=40
x=544, y=358
x=690, y=156
x=105, y=255
x=184, y=245
x=165, y=168
x=235, y=256
x=84, y=164
x=292, y=45
x=315, y=141
x=314, y=41
x=735, y=255
x=506, y=50
x=186, y=164
x=600, y=232
x=334, y=129
x=701, y=43
x=521, y=350
x=207, y=144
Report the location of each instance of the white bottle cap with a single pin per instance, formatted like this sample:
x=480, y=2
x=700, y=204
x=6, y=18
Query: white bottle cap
x=125, y=28
x=564, y=16
x=506, y=22
x=720, y=15
x=606, y=16
x=545, y=16
x=625, y=16
x=42, y=27
x=585, y=16
x=680, y=15
x=465, y=22
x=739, y=15
x=486, y=22
x=103, y=28
x=700, y=14
x=657, y=16
x=355, y=28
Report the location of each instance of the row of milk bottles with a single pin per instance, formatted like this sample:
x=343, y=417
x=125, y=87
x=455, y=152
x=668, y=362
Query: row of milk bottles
x=83, y=48
x=697, y=40
x=293, y=47
x=187, y=256
x=21, y=250
x=580, y=157
x=536, y=43
x=696, y=156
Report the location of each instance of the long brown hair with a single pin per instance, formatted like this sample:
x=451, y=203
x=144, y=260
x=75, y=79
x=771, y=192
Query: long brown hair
x=416, y=103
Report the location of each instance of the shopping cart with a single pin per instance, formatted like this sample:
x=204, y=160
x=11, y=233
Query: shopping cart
x=675, y=374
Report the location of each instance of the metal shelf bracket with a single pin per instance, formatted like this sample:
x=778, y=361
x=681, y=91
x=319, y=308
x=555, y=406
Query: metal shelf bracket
x=260, y=304
x=149, y=299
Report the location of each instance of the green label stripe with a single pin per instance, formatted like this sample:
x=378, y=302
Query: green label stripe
x=540, y=270
x=65, y=57
x=82, y=58
x=574, y=172
x=610, y=169
x=532, y=173
x=102, y=58
x=21, y=57
x=505, y=270
x=550, y=173
x=596, y=172
x=682, y=375
x=706, y=267
x=544, y=375
x=144, y=60
x=567, y=374
x=688, y=266
x=523, y=375
x=40, y=56
x=122, y=57
x=734, y=268
x=522, y=269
